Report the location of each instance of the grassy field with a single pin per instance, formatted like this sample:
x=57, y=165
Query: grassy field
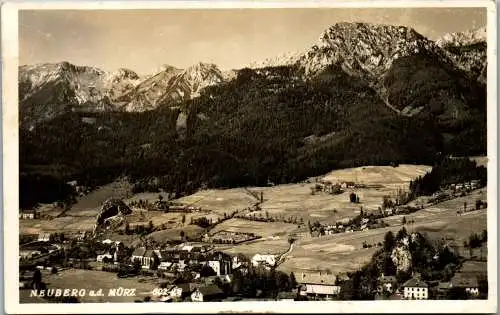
x=263, y=229
x=344, y=252
x=261, y=246
x=90, y=204
x=296, y=200
x=72, y=279
x=191, y=231
x=220, y=200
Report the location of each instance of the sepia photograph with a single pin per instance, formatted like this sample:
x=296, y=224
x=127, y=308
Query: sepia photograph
x=225, y=156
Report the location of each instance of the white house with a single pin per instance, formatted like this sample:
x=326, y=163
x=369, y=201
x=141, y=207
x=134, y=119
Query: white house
x=387, y=283
x=466, y=281
x=28, y=214
x=107, y=242
x=415, y=289
x=44, y=237
x=146, y=257
x=207, y=293
x=165, y=265
x=318, y=285
x=264, y=260
x=221, y=263
x=100, y=258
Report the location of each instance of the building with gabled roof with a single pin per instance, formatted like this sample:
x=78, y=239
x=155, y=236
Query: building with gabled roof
x=415, y=289
x=318, y=285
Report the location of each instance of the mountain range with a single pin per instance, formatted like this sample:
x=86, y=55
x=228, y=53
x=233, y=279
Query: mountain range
x=362, y=94
x=363, y=50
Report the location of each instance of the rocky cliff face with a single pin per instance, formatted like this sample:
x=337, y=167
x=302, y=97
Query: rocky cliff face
x=111, y=215
x=401, y=256
x=47, y=90
x=468, y=50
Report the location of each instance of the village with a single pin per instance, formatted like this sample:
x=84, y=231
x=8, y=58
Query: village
x=214, y=264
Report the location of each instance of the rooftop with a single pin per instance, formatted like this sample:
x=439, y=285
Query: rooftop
x=464, y=280
x=416, y=283
x=316, y=278
x=210, y=289
x=139, y=251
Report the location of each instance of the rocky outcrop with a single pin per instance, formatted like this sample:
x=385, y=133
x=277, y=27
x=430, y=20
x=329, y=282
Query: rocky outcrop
x=401, y=257
x=111, y=215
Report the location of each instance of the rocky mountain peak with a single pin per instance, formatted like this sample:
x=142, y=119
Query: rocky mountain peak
x=364, y=48
x=460, y=39
x=124, y=73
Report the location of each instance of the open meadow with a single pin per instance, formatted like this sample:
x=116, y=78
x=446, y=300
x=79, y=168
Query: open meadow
x=344, y=252
x=263, y=229
x=296, y=200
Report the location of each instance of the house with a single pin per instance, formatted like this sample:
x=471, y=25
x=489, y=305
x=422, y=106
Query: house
x=223, y=279
x=466, y=281
x=238, y=261
x=138, y=254
x=190, y=247
x=387, y=284
x=106, y=256
x=107, y=242
x=221, y=263
x=165, y=265
x=415, y=289
x=318, y=285
x=264, y=260
x=29, y=214
x=82, y=235
x=474, y=184
x=347, y=184
x=44, y=237
x=207, y=293
x=442, y=289
x=146, y=257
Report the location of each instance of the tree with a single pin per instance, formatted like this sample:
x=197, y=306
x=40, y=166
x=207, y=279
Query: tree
x=293, y=280
x=484, y=236
x=150, y=226
x=387, y=202
x=403, y=221
x=184, y=218
x=160, y=198
x=37, y=279
x=182, y=235
x=389, y=241
x=127, y=228
x=479, y=203
x=402, y=233
x=353, y=197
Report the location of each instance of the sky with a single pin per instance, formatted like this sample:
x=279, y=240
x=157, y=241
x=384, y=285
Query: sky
x=144, y=40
